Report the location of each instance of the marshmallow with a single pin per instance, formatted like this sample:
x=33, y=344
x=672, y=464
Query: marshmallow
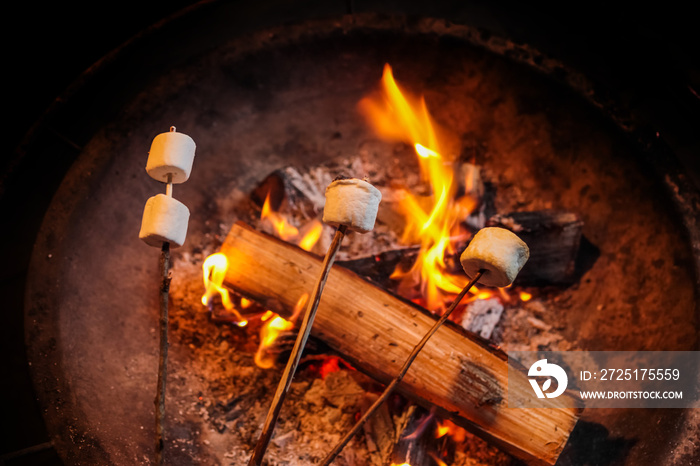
x=497, y=251
x=353, y=203
x=164, y=220
x=171, y=154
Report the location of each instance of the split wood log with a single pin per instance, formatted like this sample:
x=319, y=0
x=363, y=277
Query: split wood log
x=553, y=237
x=457, y=372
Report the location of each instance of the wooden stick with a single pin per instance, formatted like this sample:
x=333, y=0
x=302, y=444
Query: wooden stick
x=399, y=377
x=304, y=330
x=163, y=359
x=461, y=375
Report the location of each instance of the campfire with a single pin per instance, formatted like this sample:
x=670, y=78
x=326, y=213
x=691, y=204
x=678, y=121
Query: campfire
x=423, y=230
x=482, y=142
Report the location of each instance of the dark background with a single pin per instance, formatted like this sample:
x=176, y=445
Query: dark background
x=646, y=57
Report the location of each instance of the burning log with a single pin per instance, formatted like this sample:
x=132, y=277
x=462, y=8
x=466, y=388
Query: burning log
x=457, y=372
x=301, y=191
x=553, y=238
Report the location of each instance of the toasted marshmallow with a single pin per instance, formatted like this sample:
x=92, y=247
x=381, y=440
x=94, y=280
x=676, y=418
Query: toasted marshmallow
x=353, y=203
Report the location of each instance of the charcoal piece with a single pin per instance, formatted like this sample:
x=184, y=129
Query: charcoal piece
x=379, y=267
x=553, y=237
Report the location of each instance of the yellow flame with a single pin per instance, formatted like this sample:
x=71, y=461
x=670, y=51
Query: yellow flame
x=446, y=427
x=282, y=228
x=215, y=267
x=306, y=238
x=272, y=329
x=312, y=235
x=525, y=296
x=396, y=115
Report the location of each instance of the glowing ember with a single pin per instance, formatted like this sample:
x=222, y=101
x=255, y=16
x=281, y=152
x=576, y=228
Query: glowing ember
x=524, y=296
x=396, y=115
x=330, y=365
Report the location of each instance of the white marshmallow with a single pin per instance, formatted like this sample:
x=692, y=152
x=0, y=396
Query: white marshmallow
x=353, y=203
x=164, y=219
x=171, y=154
x=497, y=251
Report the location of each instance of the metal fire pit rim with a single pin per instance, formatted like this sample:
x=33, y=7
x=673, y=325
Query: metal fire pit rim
x=658, y=154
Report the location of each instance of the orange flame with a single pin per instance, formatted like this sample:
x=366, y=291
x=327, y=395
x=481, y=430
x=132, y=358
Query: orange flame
x=441, y=431
x=306, y=238
x=396, y=115
x=215, y=267
x=282, y=228
x=272, y=329
x=446, y=427
x=312, y=233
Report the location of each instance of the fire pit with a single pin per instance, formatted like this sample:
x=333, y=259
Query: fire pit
x=288, y=97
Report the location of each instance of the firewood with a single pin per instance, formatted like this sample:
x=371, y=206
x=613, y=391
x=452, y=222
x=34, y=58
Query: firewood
x=300, y=191
x=380, y=267
x=380, y=432
x=458, y=373
x=553, y=237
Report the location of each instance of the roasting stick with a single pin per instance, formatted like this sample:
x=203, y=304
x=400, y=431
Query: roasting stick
x=163, y=350
x=494, y=256
x=164, y=224
x=350, y=204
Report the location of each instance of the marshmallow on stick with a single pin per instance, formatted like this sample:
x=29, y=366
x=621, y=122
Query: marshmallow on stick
x=170, y=161
x=498, y=252
x=353, y=203
x=170, y=158
x=164, y=224
x=350, y=204
x=164, y=220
